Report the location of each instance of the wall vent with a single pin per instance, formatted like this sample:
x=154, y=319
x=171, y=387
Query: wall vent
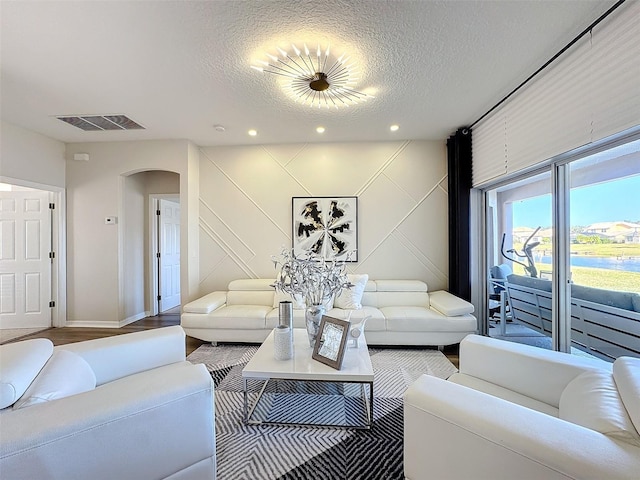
x=101, y=122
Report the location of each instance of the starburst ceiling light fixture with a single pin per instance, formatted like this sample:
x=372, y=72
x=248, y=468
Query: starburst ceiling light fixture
x=317, y=79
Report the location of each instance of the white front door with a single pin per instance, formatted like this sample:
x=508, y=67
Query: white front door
x=169, y=249
x=25, y=266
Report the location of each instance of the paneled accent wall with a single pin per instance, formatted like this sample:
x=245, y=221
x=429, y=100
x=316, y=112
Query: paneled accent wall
x=245, y=206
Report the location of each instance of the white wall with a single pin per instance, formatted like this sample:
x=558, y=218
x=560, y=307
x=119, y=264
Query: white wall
x=98, y=253
x=33, y=160
x=189, y=215
x=245, y=210
x=132, y=229
x=31, y=157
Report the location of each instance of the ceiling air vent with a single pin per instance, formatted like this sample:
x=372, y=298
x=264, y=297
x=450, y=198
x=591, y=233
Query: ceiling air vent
x=101, y=122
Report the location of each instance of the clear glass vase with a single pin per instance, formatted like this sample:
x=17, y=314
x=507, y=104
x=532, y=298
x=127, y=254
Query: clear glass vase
x=313, y=315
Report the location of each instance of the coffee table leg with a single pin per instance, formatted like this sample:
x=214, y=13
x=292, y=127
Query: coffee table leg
x=248, y=411
x=367, y=404
x=246, y=403
x=371, y=404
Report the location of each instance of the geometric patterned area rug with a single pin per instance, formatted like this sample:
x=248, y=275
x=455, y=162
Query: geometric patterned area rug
x=291, y=452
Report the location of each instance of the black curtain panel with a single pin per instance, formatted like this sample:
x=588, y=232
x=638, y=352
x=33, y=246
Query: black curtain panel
x=459, y=175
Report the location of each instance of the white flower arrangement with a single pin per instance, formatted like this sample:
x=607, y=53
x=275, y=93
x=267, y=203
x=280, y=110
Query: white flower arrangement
x=310, y=276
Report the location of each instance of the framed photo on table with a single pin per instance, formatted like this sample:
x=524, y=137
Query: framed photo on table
x=331, y=342
x=326, y=226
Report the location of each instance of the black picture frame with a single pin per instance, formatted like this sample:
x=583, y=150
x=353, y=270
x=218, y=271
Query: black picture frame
x=331, y=341
x=327, y=226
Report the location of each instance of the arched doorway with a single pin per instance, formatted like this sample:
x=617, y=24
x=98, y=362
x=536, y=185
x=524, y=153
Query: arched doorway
x=142, y=269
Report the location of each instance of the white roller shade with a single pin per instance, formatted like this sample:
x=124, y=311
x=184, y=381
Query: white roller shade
x=590, y=92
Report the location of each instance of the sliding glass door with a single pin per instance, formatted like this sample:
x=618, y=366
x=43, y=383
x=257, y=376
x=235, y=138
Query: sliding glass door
x=520, y=248
x=605, y=252
x=590, y=206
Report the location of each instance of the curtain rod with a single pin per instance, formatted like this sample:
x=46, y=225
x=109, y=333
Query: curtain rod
x=567, y=47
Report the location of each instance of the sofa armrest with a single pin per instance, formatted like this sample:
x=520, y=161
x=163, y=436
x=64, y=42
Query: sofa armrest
x=149, y=425
x=532, y=371
x=122, y=355
x=445, y=422
x=207, y=304
x=448, y=304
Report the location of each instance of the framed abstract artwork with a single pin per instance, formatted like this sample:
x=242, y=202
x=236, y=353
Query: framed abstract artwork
x=326, y=226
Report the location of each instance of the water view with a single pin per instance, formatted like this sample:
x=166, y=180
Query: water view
x=609, y=263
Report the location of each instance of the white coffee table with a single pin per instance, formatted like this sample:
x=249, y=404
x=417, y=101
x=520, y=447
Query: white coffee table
x=304, y=391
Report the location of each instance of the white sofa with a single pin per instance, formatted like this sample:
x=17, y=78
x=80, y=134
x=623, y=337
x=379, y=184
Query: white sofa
x=516, y=411
x=402, y=312
x=150, y=414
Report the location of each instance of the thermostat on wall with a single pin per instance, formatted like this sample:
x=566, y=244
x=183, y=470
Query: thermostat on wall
x=110, y=220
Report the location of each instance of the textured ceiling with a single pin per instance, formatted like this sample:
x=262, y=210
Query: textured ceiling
x=181, y=67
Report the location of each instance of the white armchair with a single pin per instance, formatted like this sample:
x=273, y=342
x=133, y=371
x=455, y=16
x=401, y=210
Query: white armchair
x=515, y=411
x=132, y=409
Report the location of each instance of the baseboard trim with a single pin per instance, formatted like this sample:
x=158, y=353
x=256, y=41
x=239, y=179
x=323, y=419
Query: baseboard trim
x=91, y=324
x=134, y=318
x=119, y=324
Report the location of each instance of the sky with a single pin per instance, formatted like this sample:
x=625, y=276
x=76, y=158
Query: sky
x=605, y=202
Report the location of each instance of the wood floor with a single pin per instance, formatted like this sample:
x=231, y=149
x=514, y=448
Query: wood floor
x=61, y=336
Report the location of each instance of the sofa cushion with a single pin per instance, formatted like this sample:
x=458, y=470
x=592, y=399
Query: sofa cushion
x=592, y=401
x=611, y=298
x=251, y=297
x=240, y=317
x=273, y=318
x=401, y=286
x=65, y=374
x=399, y=299
x=537, y=283
x=420, y=319
x=376, y=322
x=351, y=298
x=252, y=284
x=296, y=300
x=635, y=301
x=449, y=304
x=20, y=363
x=206, y=304
x=626, y=374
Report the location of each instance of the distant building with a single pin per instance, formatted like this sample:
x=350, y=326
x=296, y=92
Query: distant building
x=619, y=232
x=520, y=235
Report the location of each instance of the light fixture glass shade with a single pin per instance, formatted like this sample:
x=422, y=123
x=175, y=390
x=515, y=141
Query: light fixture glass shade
x=315, y=77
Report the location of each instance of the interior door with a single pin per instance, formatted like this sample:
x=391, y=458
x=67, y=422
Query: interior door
x=169, y=249
x=25, y=266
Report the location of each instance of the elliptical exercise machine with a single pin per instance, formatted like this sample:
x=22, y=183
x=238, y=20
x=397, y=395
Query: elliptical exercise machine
x=527, y=253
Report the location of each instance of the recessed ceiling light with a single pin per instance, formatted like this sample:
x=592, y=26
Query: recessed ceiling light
x=320, y=129
x=252, y=132
x=394, y=128
x=219, y=128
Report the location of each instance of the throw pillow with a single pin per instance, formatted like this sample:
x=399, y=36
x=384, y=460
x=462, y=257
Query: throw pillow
x=66, y=373
x=20, y=363
x=351, y=298
x=592, y=401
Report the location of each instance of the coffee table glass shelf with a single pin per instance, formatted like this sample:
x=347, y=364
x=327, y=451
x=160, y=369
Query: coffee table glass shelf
x=304, y=392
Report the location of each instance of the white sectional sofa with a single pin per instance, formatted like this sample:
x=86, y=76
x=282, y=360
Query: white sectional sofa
x=517, y=411
x=121, y=407
x=402, y=312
